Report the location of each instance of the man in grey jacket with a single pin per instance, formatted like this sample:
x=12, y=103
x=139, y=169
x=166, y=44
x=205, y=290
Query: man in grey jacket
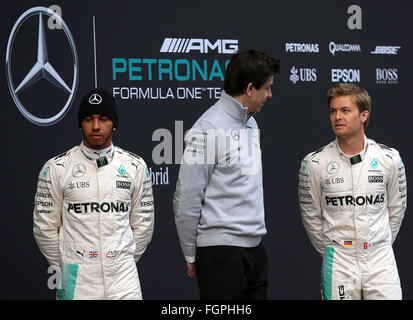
x=218, y=201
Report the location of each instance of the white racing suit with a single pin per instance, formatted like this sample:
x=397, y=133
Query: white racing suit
x=94, y=219
x=352, y=209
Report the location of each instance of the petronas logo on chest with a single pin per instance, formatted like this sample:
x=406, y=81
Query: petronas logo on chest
x=122, y=169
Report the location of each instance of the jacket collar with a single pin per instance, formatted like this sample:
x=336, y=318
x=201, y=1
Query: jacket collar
x=93, y=155
x=356, y=158
x=233, y=107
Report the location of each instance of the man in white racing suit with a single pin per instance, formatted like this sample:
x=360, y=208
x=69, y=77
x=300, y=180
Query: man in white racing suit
x=94, y=211
x=352, y=196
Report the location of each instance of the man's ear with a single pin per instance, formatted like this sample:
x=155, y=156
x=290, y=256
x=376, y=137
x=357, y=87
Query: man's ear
x=364, y=116
x=248, y=90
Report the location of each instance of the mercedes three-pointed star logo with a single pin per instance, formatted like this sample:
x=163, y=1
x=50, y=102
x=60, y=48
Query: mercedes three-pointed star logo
x=42, y=68
x=95, y=99
x=79, y=170
x=235, y=134
x=333, y=167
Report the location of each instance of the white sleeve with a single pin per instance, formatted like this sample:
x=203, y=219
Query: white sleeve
x=193, y=178
x=309, y=196
x=47, y=214
x=397, y=194
x=142, y=214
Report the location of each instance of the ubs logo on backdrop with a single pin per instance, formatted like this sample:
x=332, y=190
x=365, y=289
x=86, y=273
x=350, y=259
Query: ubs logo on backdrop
x=42, y=68
x=303, y=74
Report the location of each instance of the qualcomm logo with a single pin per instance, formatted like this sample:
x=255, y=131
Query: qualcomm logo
x=337, y=47
x=42, y=68
x=186, y=45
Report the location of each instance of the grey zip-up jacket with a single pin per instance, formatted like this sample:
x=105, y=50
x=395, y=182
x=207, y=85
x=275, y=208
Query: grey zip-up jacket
x=219, y=195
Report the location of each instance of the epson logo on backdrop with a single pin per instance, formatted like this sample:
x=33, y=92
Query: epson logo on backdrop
x=387, y=76
x=345, y=75
x=339, y=47
x=187, y=45
x=302, y=47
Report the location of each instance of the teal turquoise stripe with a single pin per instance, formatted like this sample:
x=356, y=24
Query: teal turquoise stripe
x=327, y=273
x=68, y=282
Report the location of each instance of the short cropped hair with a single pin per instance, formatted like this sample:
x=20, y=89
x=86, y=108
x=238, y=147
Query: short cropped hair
x=250, y=66
x=360, y=96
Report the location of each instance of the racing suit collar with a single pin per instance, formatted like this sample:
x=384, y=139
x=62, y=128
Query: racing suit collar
x=234, y=108
x=92, y=154
x=356, y=158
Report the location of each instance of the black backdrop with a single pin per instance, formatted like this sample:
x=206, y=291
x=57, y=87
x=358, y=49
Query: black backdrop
x=293, y=123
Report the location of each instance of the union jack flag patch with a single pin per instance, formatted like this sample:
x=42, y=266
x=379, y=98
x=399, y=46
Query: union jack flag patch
x=93, y=254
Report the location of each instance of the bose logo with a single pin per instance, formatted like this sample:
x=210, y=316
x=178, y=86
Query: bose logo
x=386, y=50
x=186, y=45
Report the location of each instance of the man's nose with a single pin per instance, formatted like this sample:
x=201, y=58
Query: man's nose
x=269, y=93
x=338, y=115
x=96, y=124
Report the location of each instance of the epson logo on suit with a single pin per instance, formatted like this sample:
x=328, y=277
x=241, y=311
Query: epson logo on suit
x=186, y=45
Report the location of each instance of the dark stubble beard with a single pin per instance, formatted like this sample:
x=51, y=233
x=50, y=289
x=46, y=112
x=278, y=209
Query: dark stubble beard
x=97, y=146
